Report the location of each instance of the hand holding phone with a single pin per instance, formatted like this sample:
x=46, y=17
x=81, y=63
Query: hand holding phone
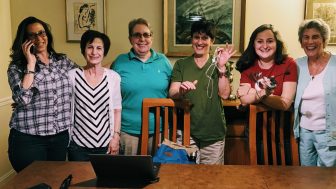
x=29, y=50
x=32, y=49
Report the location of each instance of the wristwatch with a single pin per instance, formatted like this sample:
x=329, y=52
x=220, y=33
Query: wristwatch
x=221, y=74
x=117, y=132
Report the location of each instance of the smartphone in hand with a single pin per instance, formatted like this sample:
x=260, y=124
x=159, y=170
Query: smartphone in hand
x=32, y=49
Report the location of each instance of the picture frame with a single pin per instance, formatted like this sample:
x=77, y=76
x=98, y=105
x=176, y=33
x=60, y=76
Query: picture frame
x=179, y=15
x=326, y=10
x=82, y=15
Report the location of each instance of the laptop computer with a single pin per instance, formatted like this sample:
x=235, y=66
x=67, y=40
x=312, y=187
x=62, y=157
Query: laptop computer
x=124, y=171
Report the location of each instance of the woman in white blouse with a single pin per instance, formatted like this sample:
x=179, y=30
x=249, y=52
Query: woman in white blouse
x=96, y=102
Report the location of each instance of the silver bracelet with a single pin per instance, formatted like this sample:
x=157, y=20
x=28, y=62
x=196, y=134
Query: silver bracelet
x=28, y=72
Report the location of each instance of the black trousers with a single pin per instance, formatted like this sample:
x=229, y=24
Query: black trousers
x=23, y=148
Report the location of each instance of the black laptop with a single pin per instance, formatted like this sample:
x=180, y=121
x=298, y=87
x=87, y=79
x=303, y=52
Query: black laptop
x=124, y=171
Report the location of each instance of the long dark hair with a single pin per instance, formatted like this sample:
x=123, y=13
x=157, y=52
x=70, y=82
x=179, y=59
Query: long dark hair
x=249, y=56
x=17, y=55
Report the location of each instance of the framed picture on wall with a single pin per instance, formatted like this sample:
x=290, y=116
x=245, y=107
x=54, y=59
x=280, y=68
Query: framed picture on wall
x=227, y=15
x=326, y=10
x=82, y=15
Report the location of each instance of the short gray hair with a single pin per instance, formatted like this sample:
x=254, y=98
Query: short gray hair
x=319, y=25
x=135, y=22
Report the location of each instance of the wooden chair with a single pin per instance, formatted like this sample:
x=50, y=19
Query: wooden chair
x=167, y=105
x=278, y=145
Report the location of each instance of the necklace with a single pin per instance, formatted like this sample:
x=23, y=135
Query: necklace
x=315, y=67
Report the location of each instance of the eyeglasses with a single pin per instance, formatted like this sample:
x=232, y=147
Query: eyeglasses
x=140, y=35
x=33, y=36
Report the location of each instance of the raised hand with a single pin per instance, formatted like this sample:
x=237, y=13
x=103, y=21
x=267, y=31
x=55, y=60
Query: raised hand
x=31, y=59
x=224, y=54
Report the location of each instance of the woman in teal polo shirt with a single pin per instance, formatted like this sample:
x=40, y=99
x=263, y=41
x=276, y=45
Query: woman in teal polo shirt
x=144, y=74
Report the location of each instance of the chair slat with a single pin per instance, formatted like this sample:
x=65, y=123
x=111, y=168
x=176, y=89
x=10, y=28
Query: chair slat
x=144, y=129
x=186, y=127
x=273, y=138
x=282, y=137
x=264, y=137
x=157, y=128
x=166, y=123
x=252, y=135
x=174, y=129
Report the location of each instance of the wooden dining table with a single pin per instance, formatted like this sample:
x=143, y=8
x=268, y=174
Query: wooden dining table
x=184, y=176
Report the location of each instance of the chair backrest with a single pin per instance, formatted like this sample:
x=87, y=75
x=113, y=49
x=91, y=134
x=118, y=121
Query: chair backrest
x=271, y=138
x=167, y=105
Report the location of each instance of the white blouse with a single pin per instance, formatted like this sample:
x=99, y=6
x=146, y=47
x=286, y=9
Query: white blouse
x=93, y=109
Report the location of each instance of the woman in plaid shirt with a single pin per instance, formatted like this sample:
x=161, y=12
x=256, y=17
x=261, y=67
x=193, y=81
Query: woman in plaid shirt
x=41, y=90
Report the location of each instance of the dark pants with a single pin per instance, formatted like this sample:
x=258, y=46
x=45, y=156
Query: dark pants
x=78, y=153
x=23, y=148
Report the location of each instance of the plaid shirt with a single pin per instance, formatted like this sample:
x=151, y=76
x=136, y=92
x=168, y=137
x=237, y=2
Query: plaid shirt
x=44, y=108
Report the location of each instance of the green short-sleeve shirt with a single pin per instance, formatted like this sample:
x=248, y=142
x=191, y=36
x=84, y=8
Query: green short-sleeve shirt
x=207, y=113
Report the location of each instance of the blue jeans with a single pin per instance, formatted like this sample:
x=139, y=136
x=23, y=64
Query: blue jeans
x=23, y=148
x=78, y=153
x=314, y=150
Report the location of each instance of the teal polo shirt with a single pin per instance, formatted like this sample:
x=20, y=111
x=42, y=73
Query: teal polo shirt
x=141, y=80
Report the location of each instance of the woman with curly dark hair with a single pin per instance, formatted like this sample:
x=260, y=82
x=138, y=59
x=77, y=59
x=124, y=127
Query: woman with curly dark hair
x=41, y=90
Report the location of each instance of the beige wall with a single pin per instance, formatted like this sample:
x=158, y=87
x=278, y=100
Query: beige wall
x=285, y=15
x=5, y=99
x=118, y=14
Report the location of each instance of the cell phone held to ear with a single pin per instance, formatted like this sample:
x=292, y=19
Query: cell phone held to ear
x=32, y=49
